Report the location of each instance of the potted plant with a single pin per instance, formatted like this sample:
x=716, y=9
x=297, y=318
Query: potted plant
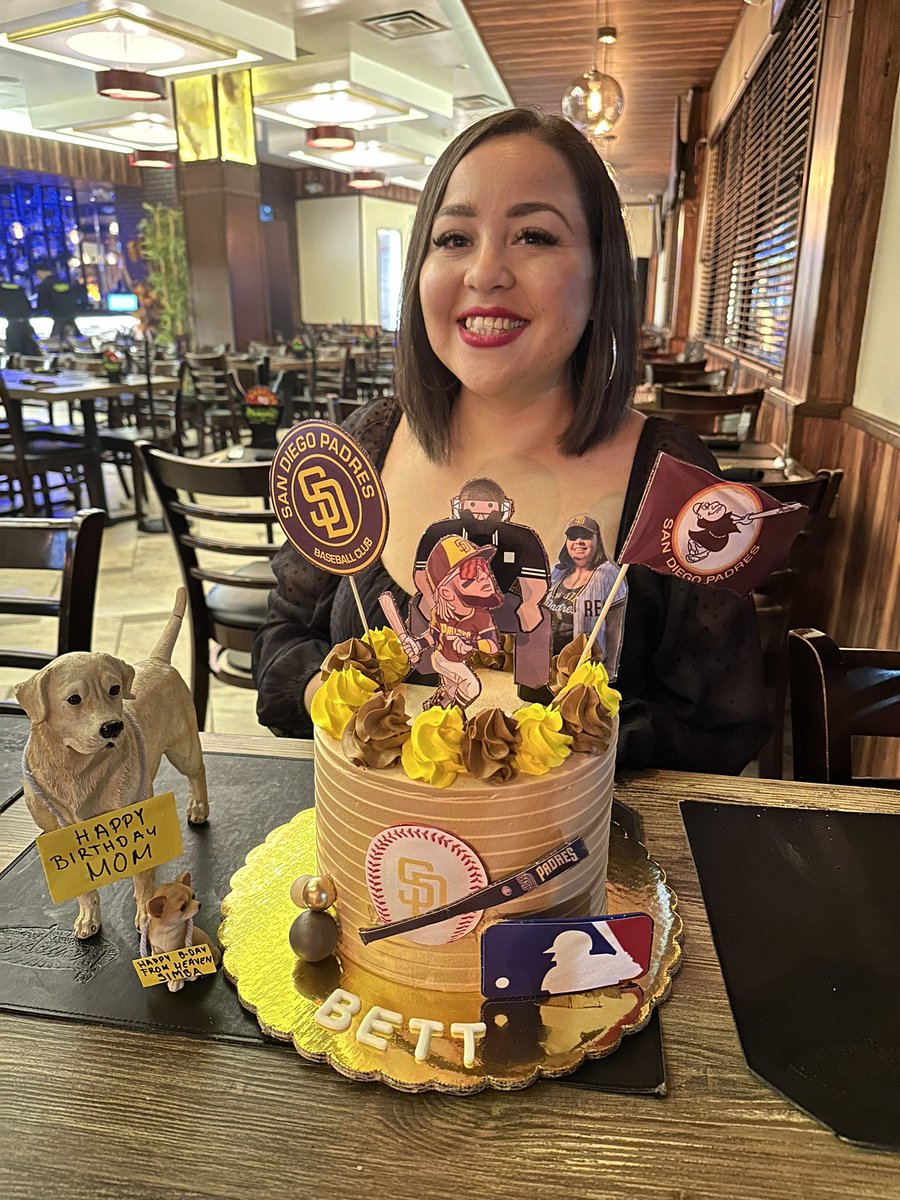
x=162, y=246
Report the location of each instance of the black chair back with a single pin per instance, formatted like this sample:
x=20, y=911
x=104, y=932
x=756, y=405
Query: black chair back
x=838, y=694
x=787, y=596
x=674, y=372
x=235, y=605
x=70, y=546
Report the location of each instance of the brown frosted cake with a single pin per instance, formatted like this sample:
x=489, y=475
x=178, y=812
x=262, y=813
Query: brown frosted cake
x=416, y=809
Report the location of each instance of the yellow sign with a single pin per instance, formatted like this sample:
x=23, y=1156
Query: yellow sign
x=186, y=963
x=109, y=847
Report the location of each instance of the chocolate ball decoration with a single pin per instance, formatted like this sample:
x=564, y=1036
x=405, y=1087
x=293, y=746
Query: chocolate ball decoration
x=314, y=935
x=319, y=892
x=297, y=890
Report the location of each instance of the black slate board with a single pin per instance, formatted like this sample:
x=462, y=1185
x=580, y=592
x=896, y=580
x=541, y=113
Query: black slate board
x=14, y=732
x=803, y=909
x=45, y=971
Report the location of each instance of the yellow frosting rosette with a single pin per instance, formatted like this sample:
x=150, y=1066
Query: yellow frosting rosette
x=390, y=654
x=341, y=696
x=594, y=674
x=433, y=754
x=544, y=745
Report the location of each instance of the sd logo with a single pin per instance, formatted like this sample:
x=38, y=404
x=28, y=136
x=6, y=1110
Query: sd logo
x=328, y=498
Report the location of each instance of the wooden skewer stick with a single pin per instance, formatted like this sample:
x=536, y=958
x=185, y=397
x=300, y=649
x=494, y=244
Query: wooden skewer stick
x=607, y=604
x=359, y=605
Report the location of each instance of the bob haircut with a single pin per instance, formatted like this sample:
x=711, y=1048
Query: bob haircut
x=604, y=363
x=565, y=562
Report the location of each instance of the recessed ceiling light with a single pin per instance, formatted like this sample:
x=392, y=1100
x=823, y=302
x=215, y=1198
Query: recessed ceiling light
x=126, y=47
x=332, y=108
x=146, y=133
x=370, y=156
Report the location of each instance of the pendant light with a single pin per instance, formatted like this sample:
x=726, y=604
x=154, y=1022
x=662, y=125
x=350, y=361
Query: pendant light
x=122, y=83
x=594, y=101
x=330, y=137
x=153, y=158
x=366, y=181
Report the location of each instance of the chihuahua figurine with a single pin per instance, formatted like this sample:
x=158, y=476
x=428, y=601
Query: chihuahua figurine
x=170, y=908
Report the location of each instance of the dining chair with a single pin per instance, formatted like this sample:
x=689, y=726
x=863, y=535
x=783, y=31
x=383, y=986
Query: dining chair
x=674, y=372
x=731, y=421
x=224, y=618
x=28, y=457
x=70, y=546
x=788, y=597
x=838, y=693
x=215, y=401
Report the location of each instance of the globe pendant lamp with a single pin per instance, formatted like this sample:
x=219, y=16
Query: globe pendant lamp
x=594, y=101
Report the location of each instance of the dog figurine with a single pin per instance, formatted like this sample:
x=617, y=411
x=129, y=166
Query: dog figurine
x=170, y=909
x=98, y=730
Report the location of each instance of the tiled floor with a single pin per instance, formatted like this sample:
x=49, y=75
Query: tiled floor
x=138, y=576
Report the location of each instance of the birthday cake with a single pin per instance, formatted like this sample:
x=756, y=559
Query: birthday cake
x=418, y=809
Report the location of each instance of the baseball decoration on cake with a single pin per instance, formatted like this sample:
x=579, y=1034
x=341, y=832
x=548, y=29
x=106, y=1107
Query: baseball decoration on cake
x=413, y=868
x=454, y=814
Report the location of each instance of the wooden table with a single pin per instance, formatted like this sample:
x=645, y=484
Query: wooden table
x=93, y=1113
x=85, y=389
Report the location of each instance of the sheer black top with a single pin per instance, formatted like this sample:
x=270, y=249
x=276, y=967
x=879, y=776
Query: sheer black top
x=691, y=668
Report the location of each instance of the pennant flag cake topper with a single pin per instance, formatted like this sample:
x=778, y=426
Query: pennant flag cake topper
x=329, y=498
x=707, y=530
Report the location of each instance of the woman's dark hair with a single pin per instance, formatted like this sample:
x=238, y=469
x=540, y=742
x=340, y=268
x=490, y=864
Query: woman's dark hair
x=427, y=389
x=565, y=562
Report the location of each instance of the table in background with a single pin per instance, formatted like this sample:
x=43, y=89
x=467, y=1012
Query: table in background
x=84, y=389
x=94, y=1112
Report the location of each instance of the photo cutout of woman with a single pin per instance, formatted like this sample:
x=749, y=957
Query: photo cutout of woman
x=579, y=584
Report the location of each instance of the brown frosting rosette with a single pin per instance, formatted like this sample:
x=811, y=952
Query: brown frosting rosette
x=353, y=653
x=585, y=719
x=489, y=746
x=374, y=736
x=566, y=661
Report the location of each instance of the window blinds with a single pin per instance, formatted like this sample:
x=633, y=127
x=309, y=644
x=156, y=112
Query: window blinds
x=756, y=190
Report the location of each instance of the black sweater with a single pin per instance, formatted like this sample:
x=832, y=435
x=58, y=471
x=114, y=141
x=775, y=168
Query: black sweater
x=690, y=675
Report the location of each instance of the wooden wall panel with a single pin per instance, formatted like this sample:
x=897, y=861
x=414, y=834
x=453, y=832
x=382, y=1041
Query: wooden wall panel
x=862, y=562
x=25, y=153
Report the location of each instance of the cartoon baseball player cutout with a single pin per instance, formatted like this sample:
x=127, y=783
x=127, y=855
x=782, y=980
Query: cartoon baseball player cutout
x=481, y=514
x=464, y=593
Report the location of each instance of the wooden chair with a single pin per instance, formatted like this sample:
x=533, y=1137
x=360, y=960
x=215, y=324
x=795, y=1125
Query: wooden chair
x=27, y=459
x=723, y=421
x=229, y=614
x=71, y=546
x=216, y=400
x=787, y=597
x=838, y=694
x=674, y=372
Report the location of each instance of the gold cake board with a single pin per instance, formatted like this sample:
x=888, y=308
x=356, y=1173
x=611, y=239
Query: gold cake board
x=524, y=1041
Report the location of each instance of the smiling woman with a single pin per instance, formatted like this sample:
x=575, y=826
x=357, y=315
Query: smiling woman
x=515, y=367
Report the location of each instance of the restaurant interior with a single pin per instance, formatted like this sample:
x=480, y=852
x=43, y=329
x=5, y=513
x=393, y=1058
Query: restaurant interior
x=205, y=214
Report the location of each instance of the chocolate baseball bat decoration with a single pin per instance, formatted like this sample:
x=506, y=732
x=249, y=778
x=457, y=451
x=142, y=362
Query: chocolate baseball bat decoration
x=563, y=858
x=399, y=626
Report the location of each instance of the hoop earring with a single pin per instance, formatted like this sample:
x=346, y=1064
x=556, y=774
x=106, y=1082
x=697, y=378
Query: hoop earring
x=615, y=358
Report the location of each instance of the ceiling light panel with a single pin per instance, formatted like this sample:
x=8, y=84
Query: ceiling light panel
x=114, y=38
x=329, y=104
x=373, y=156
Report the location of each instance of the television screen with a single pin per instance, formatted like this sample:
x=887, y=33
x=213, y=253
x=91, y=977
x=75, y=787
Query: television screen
x=122, y=302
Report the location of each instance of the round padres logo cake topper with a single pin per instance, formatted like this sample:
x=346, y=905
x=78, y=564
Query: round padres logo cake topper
x=413, y=868
x=328, y=498
x=717, y=528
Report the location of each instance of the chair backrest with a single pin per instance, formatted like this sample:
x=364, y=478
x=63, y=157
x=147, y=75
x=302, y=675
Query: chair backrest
x=837, y=694
x=211, y=378
x=69, y=545
x=11, y=416
x=790, y=581
x=675, y=372
x=726, y=420
x=708, y=392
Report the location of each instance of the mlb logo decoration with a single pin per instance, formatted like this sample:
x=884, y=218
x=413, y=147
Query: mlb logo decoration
x=710, y=531
x=411, y=869
x=328, y=498
x=530, y=959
